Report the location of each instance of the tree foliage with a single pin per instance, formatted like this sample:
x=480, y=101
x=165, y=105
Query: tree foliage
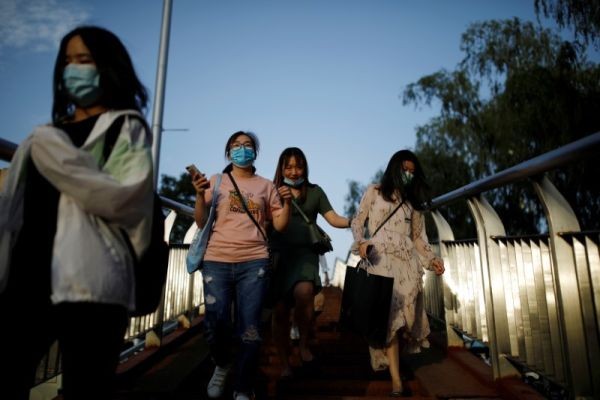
x=355, y=192
x=583, y=16
x=182, y=191
x=518, y=92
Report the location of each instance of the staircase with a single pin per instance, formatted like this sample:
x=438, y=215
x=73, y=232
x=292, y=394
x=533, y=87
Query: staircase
x=344, y=372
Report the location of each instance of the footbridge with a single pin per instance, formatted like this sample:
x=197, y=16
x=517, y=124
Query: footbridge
x=513, y=316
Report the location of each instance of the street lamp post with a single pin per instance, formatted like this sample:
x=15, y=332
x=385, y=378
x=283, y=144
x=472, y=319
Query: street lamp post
x=159, y=95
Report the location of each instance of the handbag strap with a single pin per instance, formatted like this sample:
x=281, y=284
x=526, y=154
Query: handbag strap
x=215, y=193
x=114, y=131
x=387, y=218
x=304, y=217
x=239, y=193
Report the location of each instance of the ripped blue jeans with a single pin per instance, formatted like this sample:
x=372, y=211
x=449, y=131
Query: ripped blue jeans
x=244, y=285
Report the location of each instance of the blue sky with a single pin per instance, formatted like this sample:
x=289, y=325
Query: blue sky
x=322, y=75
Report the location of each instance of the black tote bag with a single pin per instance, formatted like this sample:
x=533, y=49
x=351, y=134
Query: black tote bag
x=366, y=305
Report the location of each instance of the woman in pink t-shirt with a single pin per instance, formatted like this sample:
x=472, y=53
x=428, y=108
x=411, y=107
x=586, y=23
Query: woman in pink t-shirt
x=235, y=266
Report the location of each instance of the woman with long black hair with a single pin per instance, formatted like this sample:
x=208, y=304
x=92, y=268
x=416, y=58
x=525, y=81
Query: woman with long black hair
x=72, y=206
x=296, y=280
x=399, y=249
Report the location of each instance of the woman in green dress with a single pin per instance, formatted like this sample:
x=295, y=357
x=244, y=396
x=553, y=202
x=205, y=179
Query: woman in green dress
x=296, y=280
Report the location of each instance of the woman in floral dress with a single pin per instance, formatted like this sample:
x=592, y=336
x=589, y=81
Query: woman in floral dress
x=399, y=249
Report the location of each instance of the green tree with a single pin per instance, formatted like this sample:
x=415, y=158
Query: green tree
x=355, y=192
x=583, y=16
x=519, y=92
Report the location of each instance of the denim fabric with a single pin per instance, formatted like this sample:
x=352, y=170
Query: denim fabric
x=243, y=285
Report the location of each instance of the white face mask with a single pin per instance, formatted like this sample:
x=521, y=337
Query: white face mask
x=407, y=177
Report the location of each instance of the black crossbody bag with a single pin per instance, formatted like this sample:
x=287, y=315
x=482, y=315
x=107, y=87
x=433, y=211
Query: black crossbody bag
x=320, y=242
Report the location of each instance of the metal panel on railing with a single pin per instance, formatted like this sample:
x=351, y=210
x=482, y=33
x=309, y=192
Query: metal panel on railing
x=587, y=264
x=561, y=218
x=488, y=225
x=544, y=350
x=435, y=287
x=509, y=295
x=543, y=293
x=466, y=310
x=557, y=370
x=530, y=303
x=541, y=296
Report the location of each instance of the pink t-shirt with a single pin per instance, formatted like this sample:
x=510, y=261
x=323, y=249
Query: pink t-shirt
x=235, y=238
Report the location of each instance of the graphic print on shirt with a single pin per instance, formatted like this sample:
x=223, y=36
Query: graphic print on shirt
x=235, y=203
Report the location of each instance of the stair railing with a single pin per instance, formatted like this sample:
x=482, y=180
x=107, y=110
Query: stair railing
x=535, y=300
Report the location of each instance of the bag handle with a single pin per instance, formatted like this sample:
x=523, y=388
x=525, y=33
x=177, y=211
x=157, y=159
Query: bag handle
x=114, y=131
x=239, y=193
x=215, y=193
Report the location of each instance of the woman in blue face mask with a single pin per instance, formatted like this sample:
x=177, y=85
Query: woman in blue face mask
x=296, y=280
x=75, y=187
x=236, y=263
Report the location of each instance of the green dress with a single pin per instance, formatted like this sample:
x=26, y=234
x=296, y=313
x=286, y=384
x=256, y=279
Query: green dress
x=297, y=261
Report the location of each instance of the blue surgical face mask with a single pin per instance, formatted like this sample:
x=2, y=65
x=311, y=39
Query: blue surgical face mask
x=293, y=183
x=82, y=82
x=407, y=177
x=242, y=156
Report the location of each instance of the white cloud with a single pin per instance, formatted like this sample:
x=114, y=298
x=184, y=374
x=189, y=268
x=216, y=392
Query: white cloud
x=38, y=24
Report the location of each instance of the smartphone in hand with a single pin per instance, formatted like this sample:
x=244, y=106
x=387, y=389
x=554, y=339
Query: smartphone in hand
x=193, y=170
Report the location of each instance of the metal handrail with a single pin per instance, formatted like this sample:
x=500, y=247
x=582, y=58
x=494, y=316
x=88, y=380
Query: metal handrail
x=177, y=207
x=582, y=148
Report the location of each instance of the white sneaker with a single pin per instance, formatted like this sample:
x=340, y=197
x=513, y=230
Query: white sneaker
x=241, y=396
x=216, y=385
x=294, y=333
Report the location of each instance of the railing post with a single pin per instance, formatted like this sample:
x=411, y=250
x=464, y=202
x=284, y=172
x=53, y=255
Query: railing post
x=445, y=235
x=154, y=336
x=574, y=351
x=488, y=224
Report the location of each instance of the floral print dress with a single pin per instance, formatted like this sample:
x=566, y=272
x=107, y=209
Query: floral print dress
x=401, y=251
